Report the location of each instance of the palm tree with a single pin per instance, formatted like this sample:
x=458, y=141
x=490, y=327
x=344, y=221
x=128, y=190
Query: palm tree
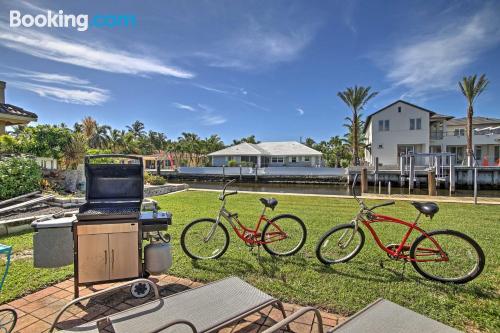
x=349, y=140
x=248, y=139
x=88, y=127
x=356, y=98
x=137, y=129
x=471, y=88
x=100, y=138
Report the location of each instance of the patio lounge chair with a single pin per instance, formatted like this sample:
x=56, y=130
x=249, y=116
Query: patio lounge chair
x=203, y=309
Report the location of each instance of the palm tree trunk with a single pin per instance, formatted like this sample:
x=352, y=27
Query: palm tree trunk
x=355, y=138
x=470, y=158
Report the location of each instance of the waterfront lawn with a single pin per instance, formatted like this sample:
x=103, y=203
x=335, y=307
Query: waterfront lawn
x=347, y=288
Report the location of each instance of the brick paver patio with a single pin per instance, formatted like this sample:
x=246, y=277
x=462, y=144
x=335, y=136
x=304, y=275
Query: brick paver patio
x=37, y=311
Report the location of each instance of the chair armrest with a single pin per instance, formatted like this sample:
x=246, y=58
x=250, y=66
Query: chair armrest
x=79, y=299
x=294, y=316
x=175, y=322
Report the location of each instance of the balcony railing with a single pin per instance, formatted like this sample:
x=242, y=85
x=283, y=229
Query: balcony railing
x=439, y=135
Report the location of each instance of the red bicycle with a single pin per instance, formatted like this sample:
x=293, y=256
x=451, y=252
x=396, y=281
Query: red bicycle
x=440, y=255
x=206, y=238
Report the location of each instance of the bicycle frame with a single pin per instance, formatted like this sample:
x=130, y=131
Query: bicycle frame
x=246, y=234
x=402, y=247
x=367, y=217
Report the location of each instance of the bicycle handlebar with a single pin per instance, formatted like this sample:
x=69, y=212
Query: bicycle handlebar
x=223, y=194
x=388, y=203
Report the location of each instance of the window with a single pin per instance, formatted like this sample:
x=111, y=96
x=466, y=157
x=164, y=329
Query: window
x=497, y=155
x=459, y=151
x=399, y=109
x=415, y=123
x=386, y=125
x=307, y=159
x=380, y=146
x=293, y=159
x=459, y=132
x=277, y=159
x=380, y=125
x=478, y=153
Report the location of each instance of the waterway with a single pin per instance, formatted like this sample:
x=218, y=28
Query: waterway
x=329, y=189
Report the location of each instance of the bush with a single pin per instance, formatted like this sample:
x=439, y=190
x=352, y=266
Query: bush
x=153, y=179
x=232, y=163
x=18, y=175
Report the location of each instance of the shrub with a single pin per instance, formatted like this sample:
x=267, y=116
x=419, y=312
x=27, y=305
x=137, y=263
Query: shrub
x=232, y=163
x=153, y=179
x=18, y=175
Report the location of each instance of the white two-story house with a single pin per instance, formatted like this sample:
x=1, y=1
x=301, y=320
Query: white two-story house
x=402, y=127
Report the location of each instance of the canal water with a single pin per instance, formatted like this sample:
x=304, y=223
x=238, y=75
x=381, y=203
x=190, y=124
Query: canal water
x=329, y=189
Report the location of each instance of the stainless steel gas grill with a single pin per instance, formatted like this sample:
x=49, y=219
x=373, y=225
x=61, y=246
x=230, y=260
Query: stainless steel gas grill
x=110, y=226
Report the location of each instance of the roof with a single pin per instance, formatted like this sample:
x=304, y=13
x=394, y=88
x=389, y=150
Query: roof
x=388, y=106
x=16, y=111
x=440, y=116
x=284, y=148
x=475, y=121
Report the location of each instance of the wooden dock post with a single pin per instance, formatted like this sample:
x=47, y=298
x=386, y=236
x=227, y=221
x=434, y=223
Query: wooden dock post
x=475, y=186
x=256, y=178
x=379, y=187
x=452, y=175
x=364, y=180
x=402, y=171
x=375, y=181
x=223, y=173
x=431, y=182
x=241, y=176
x=411, y=182
x=389, y=188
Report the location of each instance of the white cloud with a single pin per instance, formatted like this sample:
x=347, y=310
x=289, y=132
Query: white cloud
x=183, y=106
x=437, y=61
x=301, y=111
x=79, y=53
x=209, y=120
x=201, y=86
x=47, y=77
x=84, y=96
x=258, y=44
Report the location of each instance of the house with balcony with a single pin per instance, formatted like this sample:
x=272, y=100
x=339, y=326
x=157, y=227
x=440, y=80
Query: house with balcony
x=268, y=154
x=403, y=127
x=11, y=114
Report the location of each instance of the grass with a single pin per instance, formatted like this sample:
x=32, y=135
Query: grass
x=347, y=288
x=344, y=288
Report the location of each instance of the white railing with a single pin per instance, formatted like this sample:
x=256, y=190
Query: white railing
x=269, y=171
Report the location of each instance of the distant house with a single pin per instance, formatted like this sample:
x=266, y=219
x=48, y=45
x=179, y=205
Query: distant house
x=402, y=127
x=11, y=114
x=268, y=154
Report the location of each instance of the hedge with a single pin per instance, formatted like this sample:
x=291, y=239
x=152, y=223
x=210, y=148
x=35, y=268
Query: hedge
x=18, y=175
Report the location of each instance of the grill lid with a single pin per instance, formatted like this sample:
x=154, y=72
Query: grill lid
x=114, y=181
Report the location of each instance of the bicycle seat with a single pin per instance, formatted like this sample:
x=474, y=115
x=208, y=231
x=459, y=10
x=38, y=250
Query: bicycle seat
x=270, y=203
x=426, y=208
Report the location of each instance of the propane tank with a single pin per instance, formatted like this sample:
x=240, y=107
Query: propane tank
x=157, y=257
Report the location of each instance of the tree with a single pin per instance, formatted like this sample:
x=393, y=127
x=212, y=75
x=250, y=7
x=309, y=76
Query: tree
x=75, y=150
x=310, y=142
x=349, y=136
x=471, y=88
x=137, y=129
x=356, y=98
x=44, y=140
x=248, y=139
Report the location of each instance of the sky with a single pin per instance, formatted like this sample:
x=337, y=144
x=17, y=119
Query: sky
x=236, y=68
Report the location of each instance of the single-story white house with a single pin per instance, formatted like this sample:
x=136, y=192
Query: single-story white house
x=403, y=127
x=268, y=154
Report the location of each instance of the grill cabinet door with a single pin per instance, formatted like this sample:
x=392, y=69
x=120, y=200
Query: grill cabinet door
x=124, y=255
x=93, y=258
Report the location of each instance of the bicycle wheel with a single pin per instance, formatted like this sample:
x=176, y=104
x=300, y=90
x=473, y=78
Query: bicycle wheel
x=284, y=235
x=461, y=259
x=340, y=244
x=8, y=319
x=194, y=240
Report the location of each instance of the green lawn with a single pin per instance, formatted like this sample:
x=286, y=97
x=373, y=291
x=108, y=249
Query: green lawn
x=301, y=279
x=346, y=288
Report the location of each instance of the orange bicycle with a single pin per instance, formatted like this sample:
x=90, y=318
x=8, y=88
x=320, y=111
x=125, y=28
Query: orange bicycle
x=207, y=238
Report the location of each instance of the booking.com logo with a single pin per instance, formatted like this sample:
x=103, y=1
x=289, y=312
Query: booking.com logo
x=60, y=20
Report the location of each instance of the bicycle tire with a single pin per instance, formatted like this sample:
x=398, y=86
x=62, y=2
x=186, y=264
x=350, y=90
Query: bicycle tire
x=12, y=323
x=193, y=223
x=296, y=248
x=330, y=232
x=466, y=278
